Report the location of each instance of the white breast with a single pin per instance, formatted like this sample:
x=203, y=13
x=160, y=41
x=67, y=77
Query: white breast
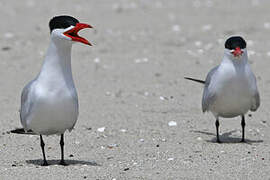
x=53, y=111
x=51, y=104
x=233, y=99
x=233, y=92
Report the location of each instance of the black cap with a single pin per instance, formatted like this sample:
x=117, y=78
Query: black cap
x=62, y=22
x=235, y=41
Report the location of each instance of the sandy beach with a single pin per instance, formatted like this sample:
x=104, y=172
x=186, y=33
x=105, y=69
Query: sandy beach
x=139, y=118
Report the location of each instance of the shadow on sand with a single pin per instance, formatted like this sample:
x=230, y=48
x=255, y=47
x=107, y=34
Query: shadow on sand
x=227, y=138
x=69, y=162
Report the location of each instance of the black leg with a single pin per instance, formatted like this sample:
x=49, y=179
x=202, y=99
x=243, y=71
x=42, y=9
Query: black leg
x=243, y=124
x=42, y=144
x=62, y=162
x=217, y=128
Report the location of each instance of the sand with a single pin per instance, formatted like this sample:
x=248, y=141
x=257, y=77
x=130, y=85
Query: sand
x=131, y=87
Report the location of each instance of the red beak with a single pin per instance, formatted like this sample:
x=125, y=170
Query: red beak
x=237, y=52
x=73, y=33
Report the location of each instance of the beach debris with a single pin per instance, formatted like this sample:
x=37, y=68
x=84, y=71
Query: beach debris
x=96, y=60
x=6, y=48
x=101, y=129
x=172, y=123
x=126, y=169
x=8, y=35
x=222, y=152
x=146, y=93
x=110, y=146
x=123, y=130
x=88, y=128
x=141, y=60
x=162, y=98
x=176, y=28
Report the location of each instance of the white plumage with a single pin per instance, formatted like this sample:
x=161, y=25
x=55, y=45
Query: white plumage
x=49, y=102
x=230, y=88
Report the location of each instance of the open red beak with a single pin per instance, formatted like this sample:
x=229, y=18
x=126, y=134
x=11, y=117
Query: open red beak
x=237, y=52
x=73, y=33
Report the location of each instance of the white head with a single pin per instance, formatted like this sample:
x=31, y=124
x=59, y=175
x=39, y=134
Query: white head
x=66, y=28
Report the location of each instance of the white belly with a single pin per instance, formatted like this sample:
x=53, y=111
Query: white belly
x=53, y=113
x=231, y=106
x=232, y=99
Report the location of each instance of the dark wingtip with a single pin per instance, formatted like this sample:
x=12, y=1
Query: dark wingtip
x=196, y=80
x=22, y=131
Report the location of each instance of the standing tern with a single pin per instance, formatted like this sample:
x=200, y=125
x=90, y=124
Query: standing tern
x=230, y=89
x=49, y=103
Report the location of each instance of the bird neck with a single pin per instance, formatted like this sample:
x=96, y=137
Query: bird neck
x=57, y=62
x=237, y=63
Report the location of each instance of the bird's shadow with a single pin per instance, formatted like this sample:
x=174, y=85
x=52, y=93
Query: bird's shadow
x=68, y=162
x=227, y=138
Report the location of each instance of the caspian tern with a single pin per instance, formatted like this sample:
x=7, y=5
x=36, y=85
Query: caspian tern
x=49, y=103
x=230, y=89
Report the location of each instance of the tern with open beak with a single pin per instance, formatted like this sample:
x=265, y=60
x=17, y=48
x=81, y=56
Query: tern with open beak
x=49, y=103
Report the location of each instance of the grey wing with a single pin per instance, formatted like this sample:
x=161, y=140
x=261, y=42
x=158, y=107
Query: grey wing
x=75, y=97
x=256, y=95
x=26, y=104
x=208, y=96
x=256, y=103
